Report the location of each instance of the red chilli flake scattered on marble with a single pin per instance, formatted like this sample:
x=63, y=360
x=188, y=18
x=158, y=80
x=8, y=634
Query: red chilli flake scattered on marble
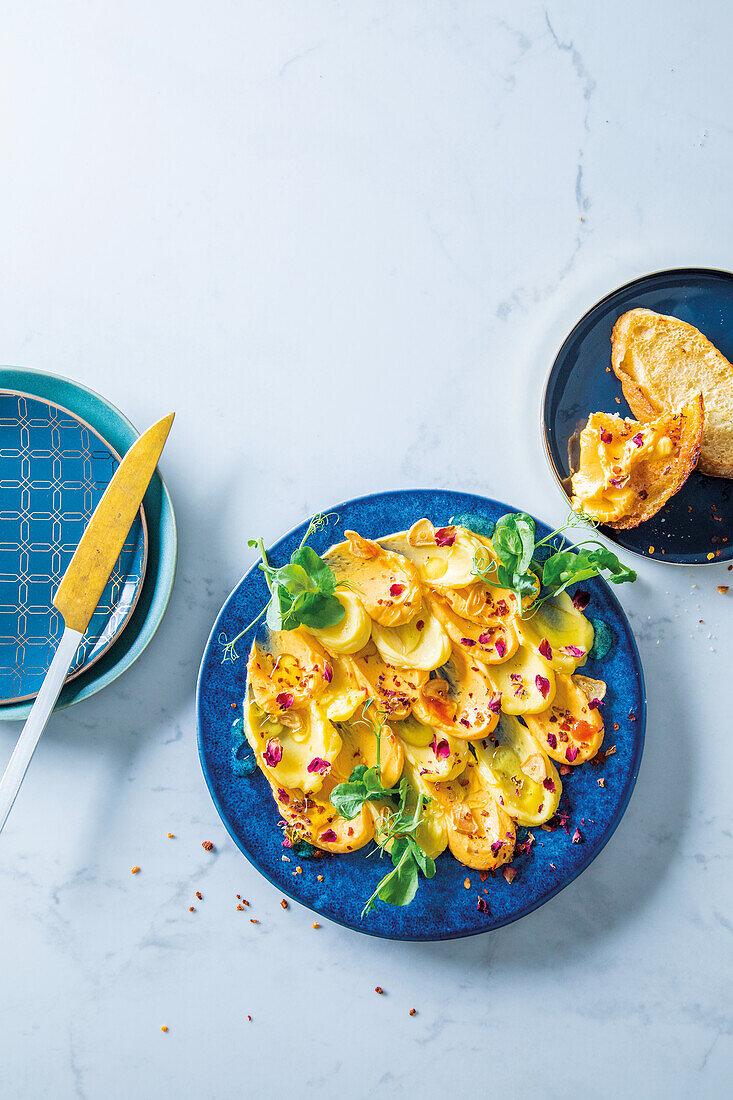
x=481, y=904
x=543, y=685
x=396, y=590
x=606, y=436
x=285, y=700
x=500, y=647
x=570, y=753
x=327, y=673
x=581, y=599
x=273, y=753
x=329, y=836
x=318, y=764
x=546, y=649
x=441, y=748
x=445, y=536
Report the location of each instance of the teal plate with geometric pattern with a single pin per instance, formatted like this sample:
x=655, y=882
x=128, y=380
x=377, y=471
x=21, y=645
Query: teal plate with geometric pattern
x=54, y=468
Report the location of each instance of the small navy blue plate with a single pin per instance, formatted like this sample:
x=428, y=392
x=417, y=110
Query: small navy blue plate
x=443, y=908
x=695, y=525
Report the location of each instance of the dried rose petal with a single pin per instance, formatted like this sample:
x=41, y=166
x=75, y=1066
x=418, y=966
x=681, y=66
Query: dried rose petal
x=577, y=837
x=494, y=703
x=273, y=753
x=467, y=641
x=318, y=764
x=329, y=836
x=482, y=905
x=594, y=704
x=441, y=748
x=618, y=482
x=285, y=700
x=570, y=753
x=581, y=599
x=548, y=784
x=500, y=647
x=573, y=650
x=496, y=847
x=543, y=685
x=327, y=673
x=546, y=649
x=445, y=536
x=606, y=436
x=502, y=608
x=465, y=722
x=396, y=590
x=515, y=678
x=485, y=638
x=638, y=439
x=283, y=795
x=552, y=740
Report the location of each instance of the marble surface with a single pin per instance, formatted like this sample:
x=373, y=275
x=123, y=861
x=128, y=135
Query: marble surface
x=343, y=241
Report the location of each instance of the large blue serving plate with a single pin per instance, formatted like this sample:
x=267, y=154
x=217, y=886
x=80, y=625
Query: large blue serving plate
x=692, y=526
x=160, y=570
x=54, y=468
x=443, y=908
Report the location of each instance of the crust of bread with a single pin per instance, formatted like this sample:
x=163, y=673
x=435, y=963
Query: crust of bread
x=656, y=480
x=661, y=363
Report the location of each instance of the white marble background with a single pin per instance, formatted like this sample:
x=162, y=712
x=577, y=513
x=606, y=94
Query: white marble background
x=342, y=241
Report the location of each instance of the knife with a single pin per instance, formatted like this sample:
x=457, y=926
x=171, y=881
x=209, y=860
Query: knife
x=81, y=588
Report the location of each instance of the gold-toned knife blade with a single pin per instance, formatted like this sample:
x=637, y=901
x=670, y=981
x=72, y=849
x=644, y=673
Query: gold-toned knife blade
x=90, y=568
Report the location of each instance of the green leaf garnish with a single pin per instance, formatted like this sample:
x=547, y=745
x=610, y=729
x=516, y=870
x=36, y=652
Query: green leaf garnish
x=524, y=565
x=301, y=592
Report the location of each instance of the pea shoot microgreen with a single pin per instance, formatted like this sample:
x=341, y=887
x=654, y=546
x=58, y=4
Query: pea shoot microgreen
x=397, y=826
x=521, y=563
x=301, y=592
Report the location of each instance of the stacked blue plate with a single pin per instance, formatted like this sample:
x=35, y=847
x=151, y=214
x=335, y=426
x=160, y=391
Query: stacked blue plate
x=60, y=444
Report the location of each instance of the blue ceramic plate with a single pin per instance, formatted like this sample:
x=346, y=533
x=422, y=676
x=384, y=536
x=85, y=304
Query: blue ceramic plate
x=54, y=469
x=696, y=520
x=160, y=570
x=442, y=908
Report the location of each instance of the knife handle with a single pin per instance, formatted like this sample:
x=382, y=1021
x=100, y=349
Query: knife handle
x=36, y=721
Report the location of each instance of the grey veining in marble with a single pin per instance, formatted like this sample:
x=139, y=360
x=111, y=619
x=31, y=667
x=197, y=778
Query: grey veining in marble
x=344, y=241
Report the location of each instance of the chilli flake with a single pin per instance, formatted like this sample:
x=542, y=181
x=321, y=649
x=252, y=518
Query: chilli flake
x=319, y=765
x=396, y=590
x=546, y=649
x=283, y=796
x=445, y=536
x=573, y=650
x=285, y=700
x=273, y=753
x=543, y=685
x=441, y=748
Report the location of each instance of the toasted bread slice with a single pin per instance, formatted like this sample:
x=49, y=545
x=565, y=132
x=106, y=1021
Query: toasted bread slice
x=628, y=470
x=662, y=363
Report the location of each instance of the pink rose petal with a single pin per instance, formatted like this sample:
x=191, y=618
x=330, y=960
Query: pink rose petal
x=552, y=740
x=606, y=436
x=327, y=673
x=273, y=753
x=319, y=765
x=594, y=704
x=543, y=685
x=445, y=536
x=638, y=439
x=329, y=836
x=570, y=753
x=396, y=590
x=573, y=650
x=548, y=784
x=482, y=905
x=546, y=649
x=441, y=748
x=467, y=641
x=494, y=703
x=581, y=600
x=500, y=647
x=285, y=700
x=577, y=837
